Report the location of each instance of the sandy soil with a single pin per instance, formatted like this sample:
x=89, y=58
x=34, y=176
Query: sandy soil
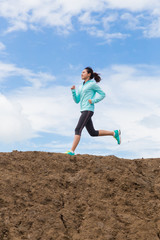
x=53, y=196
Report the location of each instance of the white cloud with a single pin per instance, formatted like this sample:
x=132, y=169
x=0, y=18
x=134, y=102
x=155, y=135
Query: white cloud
x=149, y=24
x=33, y=107
x=36, y=79
x=24, y=15
x=86, y=19
x=131, y=103
x=133, y=22
x=152, y=121
x=136, y=5
x=133, y=99
x=14, y=125
x=107, y=20
x=126, y=106
x=102, y=34
x=49, y=110
x=2, y=46
x=153, y=29
x=17, y=25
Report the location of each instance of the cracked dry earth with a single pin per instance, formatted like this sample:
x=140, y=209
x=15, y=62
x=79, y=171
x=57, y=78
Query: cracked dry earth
x=53, y=196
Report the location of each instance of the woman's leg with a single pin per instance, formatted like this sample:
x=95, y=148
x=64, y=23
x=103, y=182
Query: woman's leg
x=95, y=133
x=85, y=116
x=106, y=133
x=75, y=142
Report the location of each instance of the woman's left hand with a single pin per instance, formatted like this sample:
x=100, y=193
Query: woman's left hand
x=90, y=101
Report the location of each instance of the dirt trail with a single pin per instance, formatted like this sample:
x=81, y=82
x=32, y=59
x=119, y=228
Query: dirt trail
x=53, y=196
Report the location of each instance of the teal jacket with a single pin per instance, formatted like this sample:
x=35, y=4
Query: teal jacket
x=85, y=92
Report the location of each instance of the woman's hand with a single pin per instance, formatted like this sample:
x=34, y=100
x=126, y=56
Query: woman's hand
x=73, y=87
x=90, y=101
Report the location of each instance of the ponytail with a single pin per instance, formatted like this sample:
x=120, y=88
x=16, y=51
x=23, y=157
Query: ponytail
x=94, y=75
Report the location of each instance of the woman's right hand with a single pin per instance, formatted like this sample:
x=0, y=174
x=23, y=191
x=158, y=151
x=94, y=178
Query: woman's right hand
x=73, y=87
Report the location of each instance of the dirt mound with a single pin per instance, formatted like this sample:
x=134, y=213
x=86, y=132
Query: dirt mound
x=52, y=196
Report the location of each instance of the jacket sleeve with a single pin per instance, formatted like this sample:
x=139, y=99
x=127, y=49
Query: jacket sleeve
x=76, y=96
x=100, y=92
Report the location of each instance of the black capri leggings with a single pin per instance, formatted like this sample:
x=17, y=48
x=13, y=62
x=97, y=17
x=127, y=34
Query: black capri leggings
x=86, y=121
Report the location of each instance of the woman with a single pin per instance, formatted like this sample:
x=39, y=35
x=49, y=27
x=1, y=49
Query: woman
x=86, y=95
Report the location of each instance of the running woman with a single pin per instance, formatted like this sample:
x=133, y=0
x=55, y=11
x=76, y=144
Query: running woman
x=86, y=95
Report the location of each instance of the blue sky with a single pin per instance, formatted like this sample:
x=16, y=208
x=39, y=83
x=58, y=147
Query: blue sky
x=44, y=46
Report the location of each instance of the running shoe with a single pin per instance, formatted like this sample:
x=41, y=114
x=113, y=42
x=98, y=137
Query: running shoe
x=70, y=153
x=117, y=136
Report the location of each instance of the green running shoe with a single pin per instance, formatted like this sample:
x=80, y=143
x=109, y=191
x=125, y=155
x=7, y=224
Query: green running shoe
x=117, y=136
x=70, y=153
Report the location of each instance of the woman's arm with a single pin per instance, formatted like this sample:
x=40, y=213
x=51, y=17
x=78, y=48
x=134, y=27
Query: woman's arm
x=76, y=96
x=100, y=92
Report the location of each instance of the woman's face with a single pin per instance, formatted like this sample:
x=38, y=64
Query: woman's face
x=85, y=75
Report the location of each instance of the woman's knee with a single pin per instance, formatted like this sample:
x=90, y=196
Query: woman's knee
x=77, y=131
x=94, y=133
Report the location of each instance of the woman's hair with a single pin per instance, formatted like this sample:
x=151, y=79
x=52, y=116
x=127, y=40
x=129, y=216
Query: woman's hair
x=94, y=75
